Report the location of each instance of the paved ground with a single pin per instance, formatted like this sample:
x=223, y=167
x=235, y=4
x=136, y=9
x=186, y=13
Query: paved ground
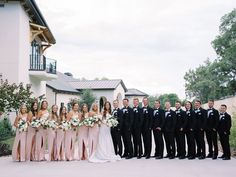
x=124, y=168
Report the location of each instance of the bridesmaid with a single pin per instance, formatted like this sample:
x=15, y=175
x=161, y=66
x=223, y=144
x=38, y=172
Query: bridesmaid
x=19, y=146
x=83, y=135
x=52, y=134
x=31, y=134
x=93, y=131
x=41, y=133
x=60, y=143
x=70, y=135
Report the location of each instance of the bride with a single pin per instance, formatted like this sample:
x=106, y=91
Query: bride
x=105, y=150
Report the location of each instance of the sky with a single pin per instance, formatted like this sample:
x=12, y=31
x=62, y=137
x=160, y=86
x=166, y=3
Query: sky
x=149, y=44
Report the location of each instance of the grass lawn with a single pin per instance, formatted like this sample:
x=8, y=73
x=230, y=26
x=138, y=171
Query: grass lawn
x=9, y=141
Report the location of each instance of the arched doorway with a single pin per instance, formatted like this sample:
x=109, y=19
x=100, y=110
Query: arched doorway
x=119, y=98
x=102, y=100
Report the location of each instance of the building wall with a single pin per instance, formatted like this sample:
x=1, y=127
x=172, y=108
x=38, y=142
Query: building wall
x=58, y=98
x=230, y=102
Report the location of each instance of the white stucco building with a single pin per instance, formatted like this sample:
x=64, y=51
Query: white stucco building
x=135, y=93
x=24, y=37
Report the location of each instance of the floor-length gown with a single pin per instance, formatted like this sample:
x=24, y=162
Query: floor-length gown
x=105, y=150
x=41, y=135
x=51, y=134
x=83, y=141
x=60, y=143
x=19, y=146
x=93, y=138
x=30, y=143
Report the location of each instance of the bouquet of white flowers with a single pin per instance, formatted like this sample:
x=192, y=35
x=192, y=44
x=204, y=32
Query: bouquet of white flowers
x=111, y=121
x=22, y=125
x=51, y=124
x=35, y=123
x=89, y=121
x=43, y=122
x=65, y=125
x=74, y=121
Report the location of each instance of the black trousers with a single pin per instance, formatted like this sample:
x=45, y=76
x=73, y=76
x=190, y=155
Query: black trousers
x=224, y=141
x=128, y=147
x=191, y=143
x=211, y=136
x=116, y=138
x=147, y=141
x=170, y=143
x=137, y=141
x=199, y=137
x=159, y=143
x=180, y=142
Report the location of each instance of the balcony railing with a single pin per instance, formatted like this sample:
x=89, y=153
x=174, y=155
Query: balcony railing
x=41, y=63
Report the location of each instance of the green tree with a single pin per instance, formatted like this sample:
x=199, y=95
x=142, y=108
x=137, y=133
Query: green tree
x=13, y=95
x=171, y=97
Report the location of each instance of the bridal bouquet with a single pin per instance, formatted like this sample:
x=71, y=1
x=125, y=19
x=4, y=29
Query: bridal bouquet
x=75, y=122
x=89, y=121
x=51, y=124
x=35, y=123
x=111, y=121
x=43, y=122
x=65, y=125
x=22, y=125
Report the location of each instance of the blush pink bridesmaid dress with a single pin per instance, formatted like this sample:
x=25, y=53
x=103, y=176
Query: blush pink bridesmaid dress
x=40, y=145
x=83, y=141
x=19, y=146
x=30, y=143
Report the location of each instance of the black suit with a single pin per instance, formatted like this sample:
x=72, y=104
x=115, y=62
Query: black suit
x=201, y=117
x=211, y=131
x=224, y=132
x=127, y=118
x=116, y=132
x=146, y=130
x=158, y=122
x=190, y=129
x=181, y=123
x=169, y=131
x=136, y=131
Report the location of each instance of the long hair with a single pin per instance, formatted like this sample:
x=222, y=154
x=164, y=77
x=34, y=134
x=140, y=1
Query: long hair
x=34, y=112
x=191, y=105
x=54, y=114
x=61, y=114
x=82, y=110
x=92, y=108
x=105, y=109
x=21, y=107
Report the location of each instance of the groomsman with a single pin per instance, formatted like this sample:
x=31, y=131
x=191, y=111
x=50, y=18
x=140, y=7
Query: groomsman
x=147, y=128
x=201, y=117
x=211, y=130
x=158, y=125
x=224, y=131
x=190, y=129
x=116, y=131
x=181, y=122
x=169, y=130
x=127, y=117
x=136, y=130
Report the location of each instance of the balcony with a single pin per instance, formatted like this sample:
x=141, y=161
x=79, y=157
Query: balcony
x=43, y=68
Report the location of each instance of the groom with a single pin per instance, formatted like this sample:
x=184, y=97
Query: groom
x=116, y=131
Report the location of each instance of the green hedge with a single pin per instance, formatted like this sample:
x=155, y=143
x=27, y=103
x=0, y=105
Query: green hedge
x=6, y=130
x=232, y=137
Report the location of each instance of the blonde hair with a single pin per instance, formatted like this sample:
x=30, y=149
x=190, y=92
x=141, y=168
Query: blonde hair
x=22, y=107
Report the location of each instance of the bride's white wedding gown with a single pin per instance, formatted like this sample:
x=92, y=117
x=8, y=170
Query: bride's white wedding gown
x=105, y=149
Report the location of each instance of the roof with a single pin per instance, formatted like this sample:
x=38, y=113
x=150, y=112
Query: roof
x=135, y=92
x=35, y=14
x=98, y=84
x=61, y=84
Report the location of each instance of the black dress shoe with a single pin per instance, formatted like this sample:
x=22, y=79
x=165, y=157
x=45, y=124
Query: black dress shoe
x=226, y=158
x=214, y=157
x=148, y=157
x=139, y=157
x=201, y=157
x=128, y=157
x=209, y=156
x=182, y=157
x=191, y=158
x=172, y=157
x=124, y=156
x=144, y=155
x=159, y=157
